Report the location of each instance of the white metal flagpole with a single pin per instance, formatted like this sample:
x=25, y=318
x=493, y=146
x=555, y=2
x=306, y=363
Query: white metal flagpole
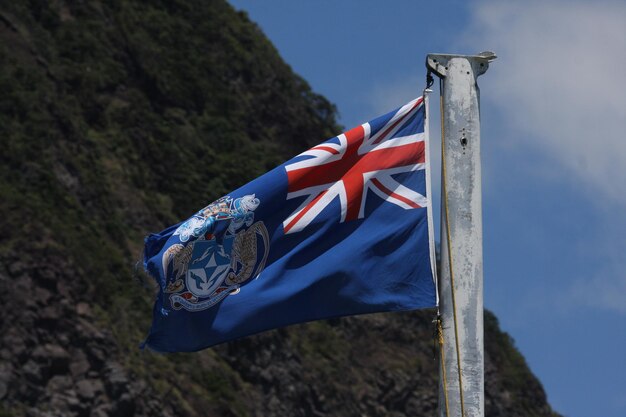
x=461, y=386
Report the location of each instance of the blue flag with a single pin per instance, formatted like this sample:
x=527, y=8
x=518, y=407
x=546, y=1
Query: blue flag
x=344, y=228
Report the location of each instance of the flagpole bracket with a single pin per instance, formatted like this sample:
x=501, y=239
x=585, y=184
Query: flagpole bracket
x=440, y=63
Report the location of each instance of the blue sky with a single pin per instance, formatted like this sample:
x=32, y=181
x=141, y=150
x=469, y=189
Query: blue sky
x=554, y=156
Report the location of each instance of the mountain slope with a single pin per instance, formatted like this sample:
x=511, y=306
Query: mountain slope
x=121, y=117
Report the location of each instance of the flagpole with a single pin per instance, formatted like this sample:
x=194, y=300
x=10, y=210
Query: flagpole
x=461, y=386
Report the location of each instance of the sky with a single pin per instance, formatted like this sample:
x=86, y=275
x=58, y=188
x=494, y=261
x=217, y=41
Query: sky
x=553, y=116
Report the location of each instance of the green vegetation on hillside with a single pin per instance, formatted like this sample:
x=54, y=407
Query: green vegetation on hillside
x=119, y=118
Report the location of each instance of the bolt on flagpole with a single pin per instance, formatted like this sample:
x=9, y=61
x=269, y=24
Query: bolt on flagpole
x=461, y=381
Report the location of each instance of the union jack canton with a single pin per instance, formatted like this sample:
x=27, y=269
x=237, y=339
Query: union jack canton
x=358, y=161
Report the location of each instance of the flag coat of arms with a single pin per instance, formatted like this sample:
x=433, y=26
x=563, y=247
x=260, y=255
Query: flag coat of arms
x=344, y=228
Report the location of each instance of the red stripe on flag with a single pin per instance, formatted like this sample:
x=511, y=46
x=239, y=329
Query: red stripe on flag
x=326, y=148
x=303, y=212
x=390, y=128
x=387, y=191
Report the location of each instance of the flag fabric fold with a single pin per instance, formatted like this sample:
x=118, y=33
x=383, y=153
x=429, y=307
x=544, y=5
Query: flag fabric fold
x=344, y=228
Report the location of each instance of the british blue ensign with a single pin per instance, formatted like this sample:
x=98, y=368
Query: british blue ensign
x=343, y=228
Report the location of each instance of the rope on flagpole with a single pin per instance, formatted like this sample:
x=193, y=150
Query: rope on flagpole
x=438, y=334
x=448, y=239
x=442, y=361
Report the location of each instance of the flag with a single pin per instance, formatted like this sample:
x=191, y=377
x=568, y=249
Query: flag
x=344, y=228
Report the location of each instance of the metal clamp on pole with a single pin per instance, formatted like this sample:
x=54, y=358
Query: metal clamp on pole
x=461, y=387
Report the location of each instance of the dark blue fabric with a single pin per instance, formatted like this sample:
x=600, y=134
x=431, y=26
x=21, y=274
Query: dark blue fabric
x=381, y=262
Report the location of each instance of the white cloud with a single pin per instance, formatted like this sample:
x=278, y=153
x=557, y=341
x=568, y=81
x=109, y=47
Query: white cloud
x=560, y=84
x=597, y=292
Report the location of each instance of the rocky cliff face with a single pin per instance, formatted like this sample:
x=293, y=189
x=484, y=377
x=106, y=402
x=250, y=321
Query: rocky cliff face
x=121, y=117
